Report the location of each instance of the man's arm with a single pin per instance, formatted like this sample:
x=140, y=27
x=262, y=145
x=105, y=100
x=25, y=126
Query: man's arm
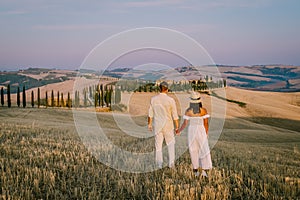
x=176, y=122
x=150, y=117
x=175, y=115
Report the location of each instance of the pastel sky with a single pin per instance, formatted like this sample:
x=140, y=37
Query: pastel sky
x=61, y=33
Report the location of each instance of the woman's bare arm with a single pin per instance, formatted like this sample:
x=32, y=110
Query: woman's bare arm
x=184, y=124
x=205, y=120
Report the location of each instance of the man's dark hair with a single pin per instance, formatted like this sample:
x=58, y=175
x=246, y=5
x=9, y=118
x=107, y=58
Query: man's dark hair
x=163, y=86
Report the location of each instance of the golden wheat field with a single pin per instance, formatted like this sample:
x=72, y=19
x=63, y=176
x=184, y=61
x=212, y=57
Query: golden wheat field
x=42, y=157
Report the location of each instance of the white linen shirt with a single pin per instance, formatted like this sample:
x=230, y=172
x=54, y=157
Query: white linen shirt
x=163, y=110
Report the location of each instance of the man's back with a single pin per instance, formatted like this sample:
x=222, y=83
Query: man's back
x=163, y=110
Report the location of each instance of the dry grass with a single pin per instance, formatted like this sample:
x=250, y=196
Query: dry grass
x=42, y=157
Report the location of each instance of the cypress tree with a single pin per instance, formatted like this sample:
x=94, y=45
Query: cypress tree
x=117, y=95
x=57, y=98
x=110, y=96
x=84, y=98
x=78, y=99
x=101, y=96
x=52, y=98
x=107, y=96
x=32, y=98
x=8, y=96
x=39, y=98
x=2, y=97
x=62, y=103
x=18, y=97
x=75, y=100
x=90, y=92
x=46, y=103
x=69, y=101
x=96, y=99
x=24, y=97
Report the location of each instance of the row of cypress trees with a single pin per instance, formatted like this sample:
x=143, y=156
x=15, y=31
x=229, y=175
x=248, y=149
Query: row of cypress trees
x=100, y=95
x=60, y=102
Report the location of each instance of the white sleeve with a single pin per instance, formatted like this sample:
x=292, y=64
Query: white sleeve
x=150, y=112
x=206, y=116
x=186, y=117
x=174, y=110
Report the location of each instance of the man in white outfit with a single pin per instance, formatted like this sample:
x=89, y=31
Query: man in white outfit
x=164, y=114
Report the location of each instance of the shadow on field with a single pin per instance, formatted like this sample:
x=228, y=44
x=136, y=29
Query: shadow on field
x=293, y=125
x=261, y=130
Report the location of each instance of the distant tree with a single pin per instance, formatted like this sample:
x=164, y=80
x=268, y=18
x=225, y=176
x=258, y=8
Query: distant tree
x=96, y=99
x=194, y=86
x=110, y=96
x=52, y=98
x=90, y=92
x=2, y=97
x=206, y=78
x=46, y=103
x=8, y=96
x=224, y=82
x=106, y=97
x=101, y=96
x=39, y=98
x=32, y=98
x=69, y=102
x=77, y=99
x=62, y=102
x=84, y=98
x=287, y=84
x=117, y=95
x=24, y=97
x=57, y=99
x=18, y=97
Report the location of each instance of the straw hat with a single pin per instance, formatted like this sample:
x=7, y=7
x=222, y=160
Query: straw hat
x=195, y=97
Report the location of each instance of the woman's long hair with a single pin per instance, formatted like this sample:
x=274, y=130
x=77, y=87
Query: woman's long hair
x=196, y=107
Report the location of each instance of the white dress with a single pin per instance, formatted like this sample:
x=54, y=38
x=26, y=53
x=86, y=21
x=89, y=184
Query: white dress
x=198, y=142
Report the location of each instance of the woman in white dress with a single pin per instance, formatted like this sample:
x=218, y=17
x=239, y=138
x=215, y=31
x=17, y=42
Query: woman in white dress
x=197, y=118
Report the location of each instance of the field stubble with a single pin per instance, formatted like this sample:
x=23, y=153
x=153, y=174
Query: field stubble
x=42, y=157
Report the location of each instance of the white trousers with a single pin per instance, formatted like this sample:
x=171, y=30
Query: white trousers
x=170, y=141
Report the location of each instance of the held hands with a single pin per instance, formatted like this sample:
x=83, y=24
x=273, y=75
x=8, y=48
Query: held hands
x=177, y=131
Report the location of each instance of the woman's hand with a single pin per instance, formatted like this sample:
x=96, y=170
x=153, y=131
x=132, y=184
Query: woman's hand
x=150, y=128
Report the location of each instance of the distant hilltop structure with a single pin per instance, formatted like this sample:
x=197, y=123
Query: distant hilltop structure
x=182, y=82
